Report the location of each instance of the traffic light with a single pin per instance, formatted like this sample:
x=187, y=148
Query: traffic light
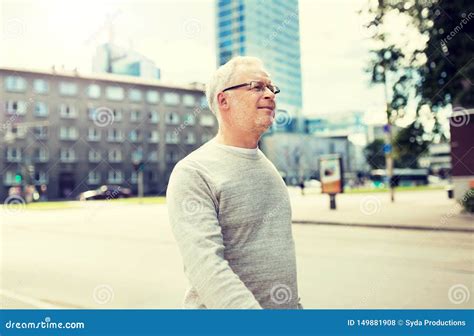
x=18, y=178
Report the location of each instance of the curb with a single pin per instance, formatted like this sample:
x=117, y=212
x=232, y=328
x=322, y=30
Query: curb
x=388, y=226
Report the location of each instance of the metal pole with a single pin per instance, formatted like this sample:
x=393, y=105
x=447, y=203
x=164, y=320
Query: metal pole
x=332, y=201
x=140, y=183
x=388, y=142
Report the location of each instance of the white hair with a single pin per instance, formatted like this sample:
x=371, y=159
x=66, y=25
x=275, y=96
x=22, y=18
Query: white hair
x=223, y=77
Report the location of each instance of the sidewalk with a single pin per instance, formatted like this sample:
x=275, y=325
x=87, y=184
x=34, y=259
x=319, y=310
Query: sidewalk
x=416, y=210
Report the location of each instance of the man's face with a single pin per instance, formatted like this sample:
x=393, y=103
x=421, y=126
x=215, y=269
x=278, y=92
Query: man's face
x=251, y=109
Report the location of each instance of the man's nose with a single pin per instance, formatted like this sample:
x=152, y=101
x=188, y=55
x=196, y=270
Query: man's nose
x=268, y=94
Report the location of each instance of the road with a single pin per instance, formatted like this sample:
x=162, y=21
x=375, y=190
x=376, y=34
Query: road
x=106, y=255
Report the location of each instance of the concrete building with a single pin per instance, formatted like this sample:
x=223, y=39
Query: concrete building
x=462, y=151
x=71, y=132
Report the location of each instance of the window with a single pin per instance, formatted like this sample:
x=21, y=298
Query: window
x=17, y=107
x=40, y=132
x=18, y=132
x=172, y=118
x=152, y=176
x=68, y=133
x=135, y=115
x=93, y=177
x=94, y=155
x=190, y=139
x=117, y=113
x=153, y=156
x=152, y=97
x=41, y=109
x=154, y=117
x=172, y=137
x=40, y=177
x=114, y=93
x=93, y=91
x=13, y=154
x=40, y=86
x=154, y=137
x=93, y=134
x=91, y=113
x=171, y=98
x=172, y=156
x=15, y=84
x=203, y=102
x=115, y=177
x=115, y=155
x=207, y=120
x=67, y=111
x=134, y=178
x=188, y=100
x=135, y=135
x=137, y=155
x=67, y=88
x=67, y=155
x=40, y=154
x=135, y=95
x=189, y=119
x=115, y=135
x=10, y=179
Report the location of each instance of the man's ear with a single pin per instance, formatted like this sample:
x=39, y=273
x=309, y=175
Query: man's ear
x=222, y=101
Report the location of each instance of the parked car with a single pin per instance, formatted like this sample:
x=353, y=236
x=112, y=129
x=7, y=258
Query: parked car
x=105, y=192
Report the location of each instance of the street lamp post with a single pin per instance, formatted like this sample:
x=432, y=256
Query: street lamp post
x=139, y=165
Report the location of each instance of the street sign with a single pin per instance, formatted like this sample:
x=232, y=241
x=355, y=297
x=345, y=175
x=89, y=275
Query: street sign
x=387, y=148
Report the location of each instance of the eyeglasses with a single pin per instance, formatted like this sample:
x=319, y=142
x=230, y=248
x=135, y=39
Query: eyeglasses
x=257, y=86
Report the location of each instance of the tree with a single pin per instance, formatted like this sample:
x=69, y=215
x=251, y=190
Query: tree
x=374, y=154
x=409, y=145
x=439, y=72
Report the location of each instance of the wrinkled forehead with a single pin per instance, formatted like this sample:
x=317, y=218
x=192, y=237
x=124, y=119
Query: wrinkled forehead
x=246, y=73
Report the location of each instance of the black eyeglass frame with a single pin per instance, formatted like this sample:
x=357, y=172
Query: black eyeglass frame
x=271, y=87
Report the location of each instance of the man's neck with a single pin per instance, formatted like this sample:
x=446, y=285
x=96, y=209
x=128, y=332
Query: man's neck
x=243, y=140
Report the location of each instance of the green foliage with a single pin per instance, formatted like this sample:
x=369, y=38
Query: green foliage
x=410, y=144
x=468, y=201
x=374, y=154
x=437, y=74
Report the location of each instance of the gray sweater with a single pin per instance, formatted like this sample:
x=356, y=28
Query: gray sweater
x=231, y=216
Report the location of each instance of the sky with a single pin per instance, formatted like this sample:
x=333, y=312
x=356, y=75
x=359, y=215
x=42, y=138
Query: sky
x=179, y=36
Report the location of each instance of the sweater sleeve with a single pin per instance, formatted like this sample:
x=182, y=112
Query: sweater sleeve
x=193, y=216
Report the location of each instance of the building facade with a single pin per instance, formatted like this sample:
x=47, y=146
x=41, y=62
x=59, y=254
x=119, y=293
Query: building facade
x=65, y=132
x=462, y=153
x=268, y=30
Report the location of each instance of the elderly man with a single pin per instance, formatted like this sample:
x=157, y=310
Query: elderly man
x=229, y=208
